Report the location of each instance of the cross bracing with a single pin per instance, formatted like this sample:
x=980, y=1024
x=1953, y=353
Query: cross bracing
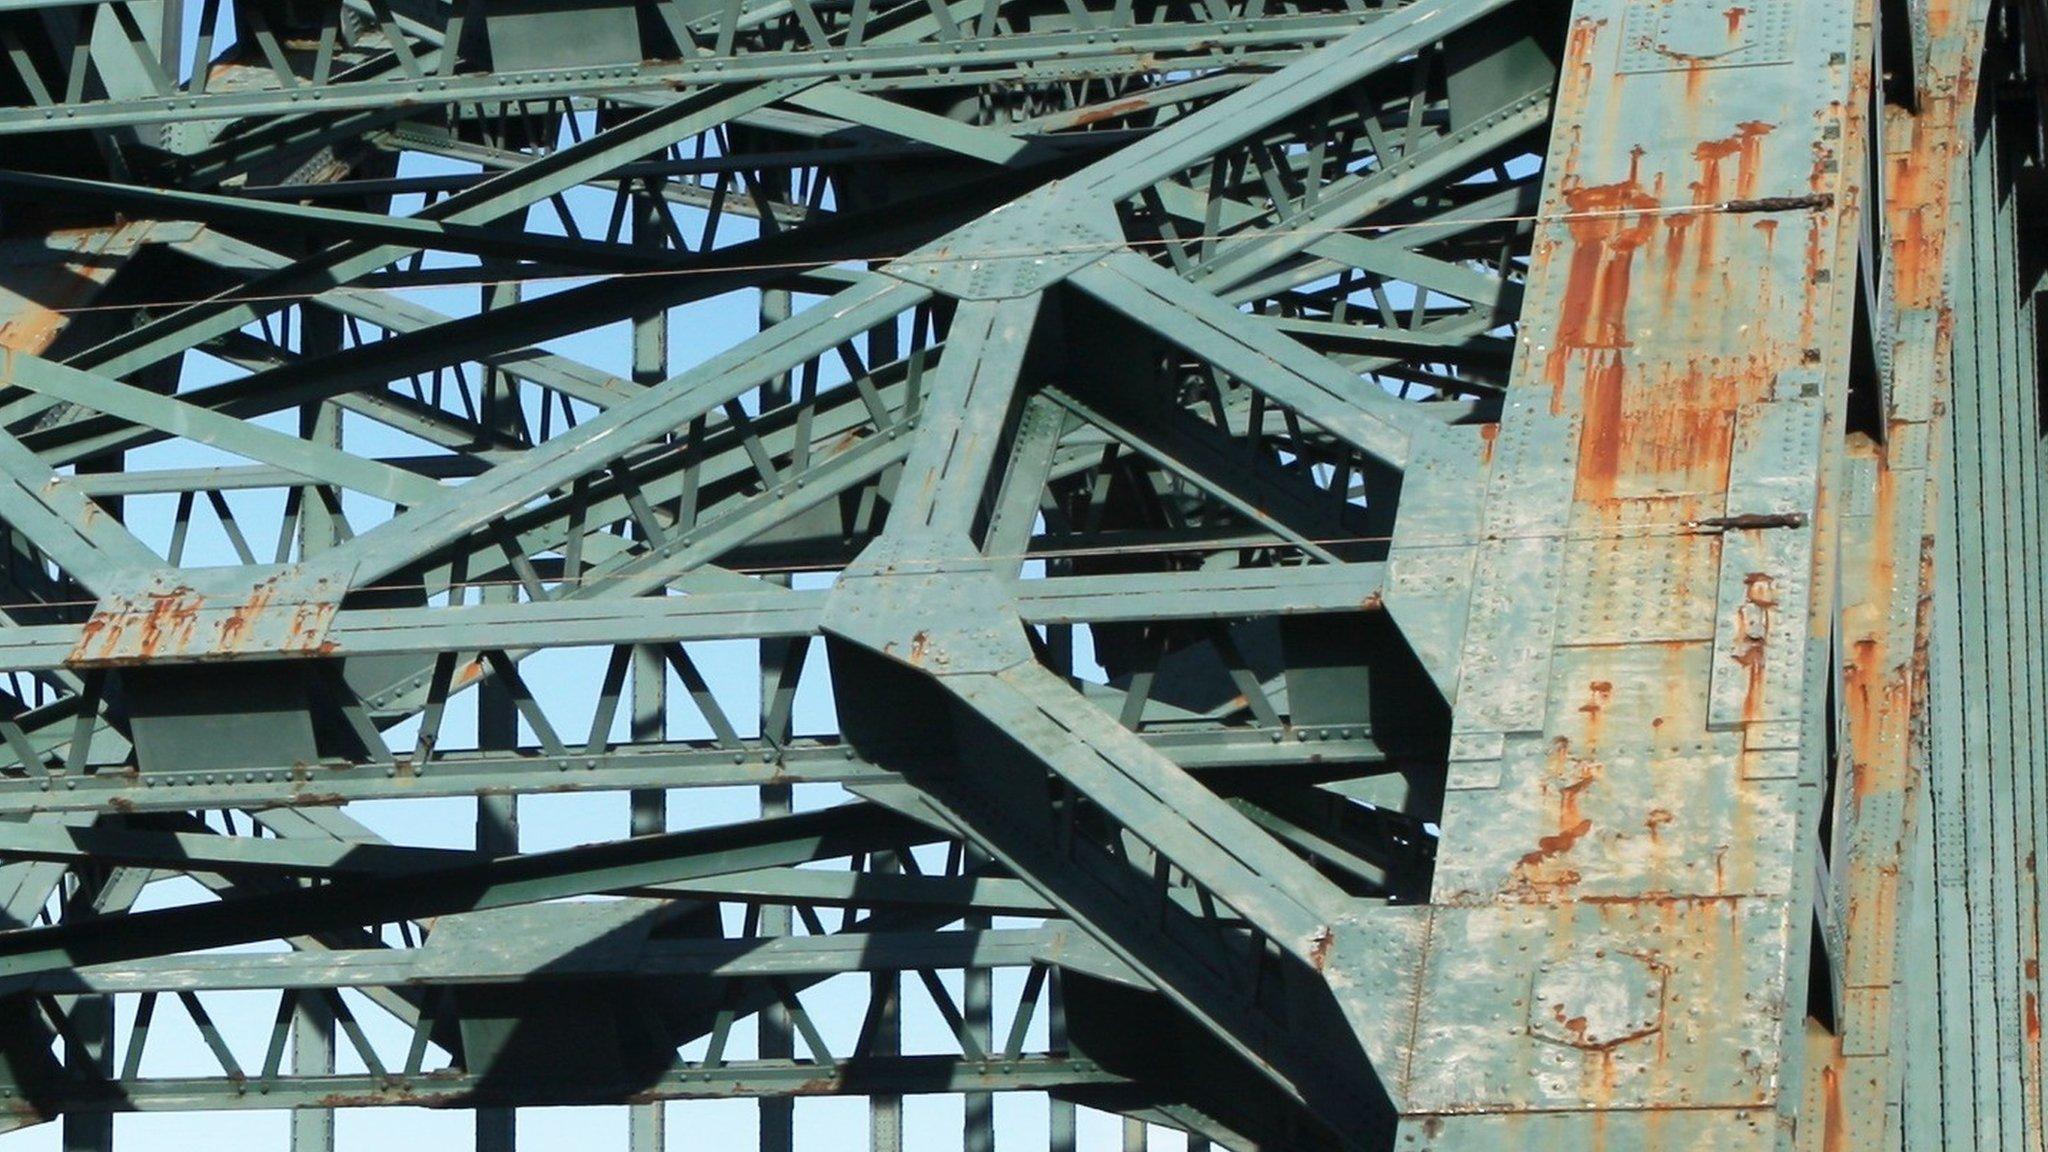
x=1307, y=575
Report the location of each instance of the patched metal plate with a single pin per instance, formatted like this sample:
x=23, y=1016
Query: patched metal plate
x=1523, y=1031
x=1682, y=34
x=1508, y=637
x=1604, y=605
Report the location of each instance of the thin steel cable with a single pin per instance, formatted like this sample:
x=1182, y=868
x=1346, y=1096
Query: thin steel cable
x=1169, y=548
x=1056, y=250
x=1079, y=249
x=1076, y=552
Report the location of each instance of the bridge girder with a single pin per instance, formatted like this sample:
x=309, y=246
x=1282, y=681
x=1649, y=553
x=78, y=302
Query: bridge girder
x=1439, y=574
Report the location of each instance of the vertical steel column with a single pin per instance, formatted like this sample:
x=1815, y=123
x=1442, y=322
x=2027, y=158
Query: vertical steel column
x=320, y=334
x=978, y=1111
x=1892, y=500
x=89, y=1050
x=497, y=720
x=885, y=988
x=1624, y=886
x=1061, y=1133
x=1974, y=1071
x=885, y=1003
x=647, y=1126
x=777, y=1039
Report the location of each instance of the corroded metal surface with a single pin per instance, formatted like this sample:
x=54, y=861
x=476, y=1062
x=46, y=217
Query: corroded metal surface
x=1473, y=567
x=1683, y=369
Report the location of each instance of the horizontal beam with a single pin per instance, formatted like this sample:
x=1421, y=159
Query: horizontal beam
x=1125, y=598
x=991, y=895
x=351, y=902
x=327, y=224
x=209, y=852
x=733, y=1079
x=753, y=957
x=1132, y=50
x=1319, y=752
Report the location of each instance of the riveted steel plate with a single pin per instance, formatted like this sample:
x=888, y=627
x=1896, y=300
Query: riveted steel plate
x=1679, y=34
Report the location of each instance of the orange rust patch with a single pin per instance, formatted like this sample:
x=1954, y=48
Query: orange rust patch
x=1833, y=1126
x=1608, y=223
x=1111, y=112
x=1319, y=948
x=1576, y=1025
x=1752, y=640
x=1746, y=148
x=171, y=619
x=1559, y=844
x=1675, y=435
x=1536, y=872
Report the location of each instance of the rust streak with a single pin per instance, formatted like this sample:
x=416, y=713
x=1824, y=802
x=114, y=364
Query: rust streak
x=1609, y=223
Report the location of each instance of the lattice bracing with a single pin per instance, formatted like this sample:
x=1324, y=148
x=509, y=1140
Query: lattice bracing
x=1354, y=575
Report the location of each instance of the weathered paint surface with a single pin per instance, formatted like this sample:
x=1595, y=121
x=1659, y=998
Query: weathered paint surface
x=1741, y=626
x=1640, y=848
x=168, y=619
x=1892, y=491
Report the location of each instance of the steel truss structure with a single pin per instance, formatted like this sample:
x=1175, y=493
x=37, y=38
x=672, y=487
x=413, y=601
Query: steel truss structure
x=1323, y=574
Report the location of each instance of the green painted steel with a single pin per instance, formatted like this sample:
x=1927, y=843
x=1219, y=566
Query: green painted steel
x=1333, y=575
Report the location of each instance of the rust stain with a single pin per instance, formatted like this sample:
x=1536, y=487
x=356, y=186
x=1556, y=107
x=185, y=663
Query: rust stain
x=1608, y=224
x=1656, y=821
x=49, y=291
x=1674, y=436
x=1598, y=693
x=168, y=625
x=1576, y=1025
x=1876, y=695
x=308, y=627
x=1734, y=17
x=1108, y=112
x=1745, y=147
x=1601, y=433
x=1752, y=638
x=1536, y=872
x=236, y=624
x=1833, y=1126
x=1863, y=689
x=1319, y=947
